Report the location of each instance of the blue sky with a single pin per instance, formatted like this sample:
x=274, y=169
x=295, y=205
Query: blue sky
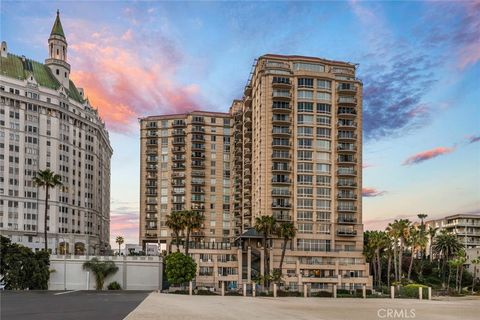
x=419, y=62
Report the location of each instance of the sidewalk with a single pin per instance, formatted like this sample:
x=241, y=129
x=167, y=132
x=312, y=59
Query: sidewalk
x=171, y=306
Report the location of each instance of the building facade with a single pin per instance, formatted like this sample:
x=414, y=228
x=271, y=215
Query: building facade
x=465, y=226
x=47, y=123
x=296, y=155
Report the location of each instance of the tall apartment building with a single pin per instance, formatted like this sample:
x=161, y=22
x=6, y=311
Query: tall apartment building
x=185, y=165
x=296, y=155
x=45, y=122
x=465, y=226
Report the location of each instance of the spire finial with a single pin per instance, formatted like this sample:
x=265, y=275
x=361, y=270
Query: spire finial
x=58, y=12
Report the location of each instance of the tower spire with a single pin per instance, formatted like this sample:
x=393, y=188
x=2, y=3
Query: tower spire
x=57, y=28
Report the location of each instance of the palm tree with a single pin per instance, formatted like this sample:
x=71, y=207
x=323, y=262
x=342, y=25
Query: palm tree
x=394, y=235
x=101, y=270
x=192, y=220
x=266, y=226
x=462, y=257
x=47, y=179
x=399, y=229
x=120, y=241
x=446, y=245
x=287, y=232
x=422, y=216
x=431, y=233
x=175, y=221
x=474, y=263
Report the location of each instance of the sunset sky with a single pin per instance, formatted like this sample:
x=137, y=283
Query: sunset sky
x=419, y=62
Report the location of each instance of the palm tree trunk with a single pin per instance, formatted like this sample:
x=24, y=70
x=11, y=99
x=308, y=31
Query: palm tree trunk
x=474, y=277
x=389, y=263
x=431, y=251
x=265, y=253
x=46, y=223
x=400, y=257
x=395, y=267
x=379, y=265
x=187, y=240
x=460, y=279
x=374, y=270
x=284, y=249
x=449, y=277
x=177, y=236
x=410, y=266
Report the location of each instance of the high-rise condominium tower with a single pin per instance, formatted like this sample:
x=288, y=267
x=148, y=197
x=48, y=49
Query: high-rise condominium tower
x=46, y=123
x=296, y=155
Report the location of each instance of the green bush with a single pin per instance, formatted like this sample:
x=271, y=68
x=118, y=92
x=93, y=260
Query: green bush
x=411, y=290
x=282, y=293
x=114, y=286
x=180, y=268
x=322, y=294
x=343, y=291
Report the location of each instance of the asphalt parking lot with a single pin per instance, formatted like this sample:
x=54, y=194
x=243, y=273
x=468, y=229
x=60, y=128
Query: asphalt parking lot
x=61, y=305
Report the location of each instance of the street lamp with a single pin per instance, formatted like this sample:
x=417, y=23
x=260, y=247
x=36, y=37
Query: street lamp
x=64, y=264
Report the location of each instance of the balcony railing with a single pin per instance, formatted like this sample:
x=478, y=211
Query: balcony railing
x=347, y=233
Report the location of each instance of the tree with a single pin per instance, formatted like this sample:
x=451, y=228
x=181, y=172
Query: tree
x=266, y=226
x=287, y=232
x=474, y=264
x=47, y=179
x=120, y=241
x=446, y=245
x=192, y=220
x=176, y=223
x=399, y=231
x=21, y=268
x=180, y=268
x=101, y=270
x=422, y=217
x=431, y=233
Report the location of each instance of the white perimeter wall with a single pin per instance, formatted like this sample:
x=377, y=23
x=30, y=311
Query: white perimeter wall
x=134, y=272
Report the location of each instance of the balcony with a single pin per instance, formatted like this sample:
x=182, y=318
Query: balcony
x=178, y=124
x=198, y=165
x=281, y=82
x=347, y=184
x=280, y=95
x=247, y=120
x=281, y=169
x=151, y=168
x=282, y=156
x=198, y=130
x=175, y=159
x=347, y=88
x=178, y=132
x=197, y=138
x=281, y=144
x=176, y=142
x=346, y=172
x=283, y=132
x=347, y=100
x=197, y=206
x=347, y=112
x=277, y=205
x=198, y=190
x=196, y=155
x=282, y=217
x=347, y=209
x=178, y=166
x=281, y=108
x=281, y=120
x=347, y=124
x=348, y=196
x=281, y=193
x=150, y=235
x=248, y=108
x=178, y=149
x=178, y=183
x=198, y=120
x=347, y=148
x=198, y=183
x=347, y=220
x=285, y=181
x=349, y=137
x=343, y=160
x=151, y=142
x=197, y=147
x=346, y=233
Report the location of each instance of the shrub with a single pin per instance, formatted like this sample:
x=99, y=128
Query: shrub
x=114, y=286
x=101, y=270
x=322, y=294
x=282, y=293
x=411, y=290
x=180, y=268
x=206, y=293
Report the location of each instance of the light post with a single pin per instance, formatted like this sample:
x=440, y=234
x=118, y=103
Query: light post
x=64, y=264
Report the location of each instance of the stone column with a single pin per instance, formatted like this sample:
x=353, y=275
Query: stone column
x=223, y=288
x=262, y=265
x=335, y=291
x=190, y=288
x=392, y=292
x=305, y=291
x=244, y=289
x=420, y=293
x=364, y=291
x=240, y=266
x=429, y=293
x=274, y=290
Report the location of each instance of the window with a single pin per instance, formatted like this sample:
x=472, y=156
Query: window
x=323, y=192
x=304, y=155
x=323, y=168
x=304, y=179
x=324, y=84
x=323, y=120
x=313, y=245
x=305, y=192
x=323, y=204
x=323, y=216
x=323, y=132
x=305, y=131
x=305, y=167
x=323, y=228
x=305, y=228
x=305, y=143
x=304, y=94
x=324, y=96
x=323, y=144
x=323, y=156
x=57, y=72
x=305, y=82
x=305, y=107
x=304, y=215
x=305, y=119
x=314, y=67
x=305, y=203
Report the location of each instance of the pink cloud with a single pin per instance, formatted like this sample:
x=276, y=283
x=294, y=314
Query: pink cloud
x=427, y=155
x=127, y=76
x=372, y=192
x=125, y=225
x=367, y=165
x=473, y=139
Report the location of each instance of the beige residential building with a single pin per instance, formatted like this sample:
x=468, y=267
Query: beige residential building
x=296, y=155
x=46, y=123
x=465, y=226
